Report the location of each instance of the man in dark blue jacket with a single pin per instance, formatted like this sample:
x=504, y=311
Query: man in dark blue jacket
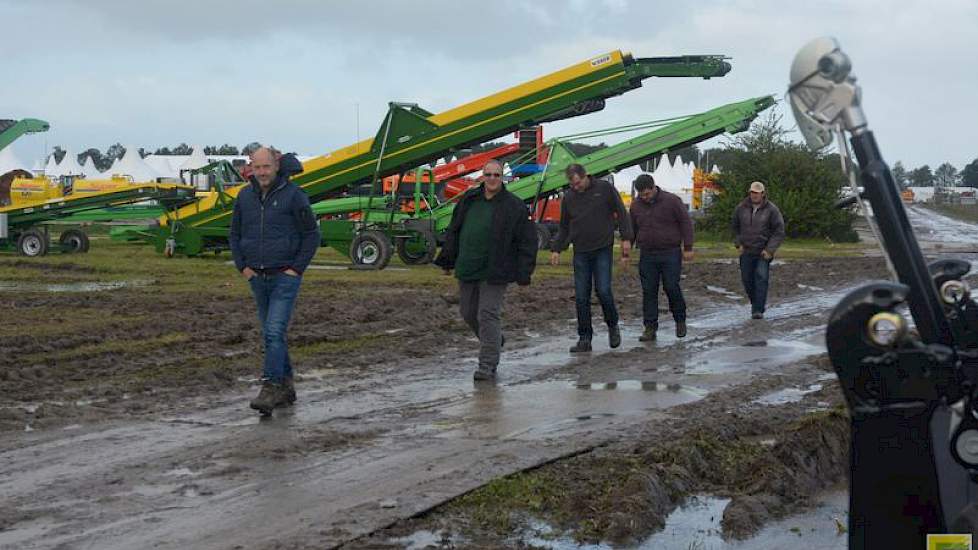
x=273, y=238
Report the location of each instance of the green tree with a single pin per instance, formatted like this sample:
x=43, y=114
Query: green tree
x=803, y=183
x=59, y=153
x=182, y=149
x=227, y=149
x=115, y=152
x=900, y=175
x=921, y=177
x=946, y=175
x=163, y=151
x=250, y=148
x=969, y=176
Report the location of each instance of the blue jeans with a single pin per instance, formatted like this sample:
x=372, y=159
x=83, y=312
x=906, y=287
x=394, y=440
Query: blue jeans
x=593, y=266
x=755, y=273
x=275, y=295
x=666, y=266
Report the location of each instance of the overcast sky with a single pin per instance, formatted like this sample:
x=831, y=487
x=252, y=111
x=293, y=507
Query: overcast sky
x=291, y=73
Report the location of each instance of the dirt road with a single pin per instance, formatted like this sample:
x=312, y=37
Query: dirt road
x=149, y=443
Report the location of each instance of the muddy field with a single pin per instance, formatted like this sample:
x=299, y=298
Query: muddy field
x=155, y=346
x=125, y=379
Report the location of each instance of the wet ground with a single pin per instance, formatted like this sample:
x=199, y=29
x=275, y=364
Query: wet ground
x=118, y=447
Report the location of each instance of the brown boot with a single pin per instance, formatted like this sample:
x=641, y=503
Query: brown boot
x=272, y=395
x=289, y=383
x=648, y=335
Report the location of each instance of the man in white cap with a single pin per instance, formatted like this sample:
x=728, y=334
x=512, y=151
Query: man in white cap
x=758, y=232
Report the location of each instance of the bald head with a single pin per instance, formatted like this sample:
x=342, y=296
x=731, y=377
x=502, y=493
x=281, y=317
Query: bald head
x=264, y=166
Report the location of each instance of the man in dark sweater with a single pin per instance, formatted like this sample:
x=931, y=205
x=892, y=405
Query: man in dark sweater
x=589, y=212
x=758, y=232
x=664, y=234
x=490, y=243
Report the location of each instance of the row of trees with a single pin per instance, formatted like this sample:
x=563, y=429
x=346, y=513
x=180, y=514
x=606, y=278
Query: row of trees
x=116, y=151
x=945, y=175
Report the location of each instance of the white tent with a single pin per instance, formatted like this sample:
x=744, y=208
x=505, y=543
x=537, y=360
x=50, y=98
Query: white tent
x=89, y=169
x=162, y=165
x=625, y=177
x=197, y=159
x=9, y=161
x=69, y=165
x=38, y=168
x=51, y=168
x=133, y=165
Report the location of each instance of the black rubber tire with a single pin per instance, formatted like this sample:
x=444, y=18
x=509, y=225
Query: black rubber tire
x=371, y=250
x=74, y=241
x=543, y=237
x=411, y=256
x=32, y=243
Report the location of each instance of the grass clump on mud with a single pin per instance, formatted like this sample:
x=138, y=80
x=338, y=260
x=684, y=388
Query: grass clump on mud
x=624, y=494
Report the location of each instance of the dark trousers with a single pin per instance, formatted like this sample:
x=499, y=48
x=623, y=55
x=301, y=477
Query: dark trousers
x=755, y=272
x=593, y=266
x=665, y=266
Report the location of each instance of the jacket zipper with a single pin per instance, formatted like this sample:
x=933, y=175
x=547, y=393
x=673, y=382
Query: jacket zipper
x=261, y=234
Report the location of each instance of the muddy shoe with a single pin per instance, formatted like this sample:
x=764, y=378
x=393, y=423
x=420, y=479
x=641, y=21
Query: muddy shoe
x=614, y=336
x=648, y=335
x=484, y=374
x=680, y=329
x=272, y=395
x=290, y=396
x=757, y=315
x=582, y=345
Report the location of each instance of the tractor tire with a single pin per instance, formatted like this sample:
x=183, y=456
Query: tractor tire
x=371, y=250
x=543, y=237
x=74, y=241
x=413, y=252
x=32, y=243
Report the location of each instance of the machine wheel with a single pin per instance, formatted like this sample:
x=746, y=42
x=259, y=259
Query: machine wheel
x=543, y=237
x=32, y=243
x=417, y=249
x=74, y=241
x=371, y=250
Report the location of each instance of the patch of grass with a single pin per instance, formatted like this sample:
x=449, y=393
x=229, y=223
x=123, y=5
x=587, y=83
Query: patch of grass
x=42, y=322
x=335, y=346
x=142, y=345
x=493, y=505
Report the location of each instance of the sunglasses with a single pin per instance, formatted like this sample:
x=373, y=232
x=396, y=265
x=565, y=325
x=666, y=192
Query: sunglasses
x=492, y=174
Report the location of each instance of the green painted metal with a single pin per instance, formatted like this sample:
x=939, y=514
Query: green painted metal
x=407, y=138
x=10, y=130
x=666, y=135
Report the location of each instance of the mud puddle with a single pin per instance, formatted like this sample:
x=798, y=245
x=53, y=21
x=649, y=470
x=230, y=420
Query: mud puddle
x=696, y=526
x=544, y=409
x=95, y=286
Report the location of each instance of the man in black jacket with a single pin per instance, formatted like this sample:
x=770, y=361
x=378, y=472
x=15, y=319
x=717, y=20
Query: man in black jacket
x=589, y=213
x=273, y=238
x=490, y=242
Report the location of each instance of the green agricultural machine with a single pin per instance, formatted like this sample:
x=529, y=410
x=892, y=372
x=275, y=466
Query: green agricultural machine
x=383, y=227
x=411, y=136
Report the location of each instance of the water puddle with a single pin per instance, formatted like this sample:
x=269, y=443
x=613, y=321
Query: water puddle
x=787, y=395
x=755, y=355
x=696, y=526
x=723, y=292
x=94, y=286
x=544, y=409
